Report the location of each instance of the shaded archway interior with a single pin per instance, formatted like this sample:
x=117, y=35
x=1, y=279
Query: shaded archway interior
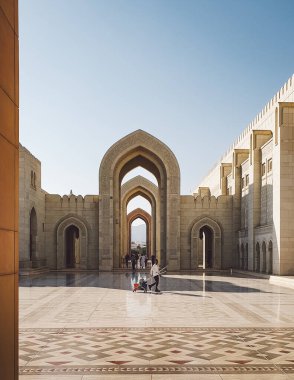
x=72, y=246
x=206, y=236
x=33, y=234
x=147, y=219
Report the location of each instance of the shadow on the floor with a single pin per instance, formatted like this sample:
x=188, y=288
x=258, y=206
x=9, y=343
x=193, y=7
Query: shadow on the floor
x=124, y=281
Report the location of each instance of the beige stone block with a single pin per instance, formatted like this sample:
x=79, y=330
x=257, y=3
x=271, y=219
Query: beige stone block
x=7, y=73
x=7, y=189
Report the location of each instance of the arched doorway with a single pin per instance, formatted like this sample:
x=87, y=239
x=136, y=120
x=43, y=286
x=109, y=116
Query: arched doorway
x=72, y=243
x=146, y=218
x=72, y=247
x=33, y=234
x=257, y=258
x=206, y=237
x=263, y=247
x=140, y=186
x=206, y=244
x=139, y=149
x=270, y=258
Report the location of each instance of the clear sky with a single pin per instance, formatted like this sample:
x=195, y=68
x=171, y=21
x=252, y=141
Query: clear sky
x=191, y=73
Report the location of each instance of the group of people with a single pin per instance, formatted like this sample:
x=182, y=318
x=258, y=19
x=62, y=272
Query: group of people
x=138, y=261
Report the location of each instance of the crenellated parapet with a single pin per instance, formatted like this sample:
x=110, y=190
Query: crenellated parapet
x=199, y=202
x=71, y=201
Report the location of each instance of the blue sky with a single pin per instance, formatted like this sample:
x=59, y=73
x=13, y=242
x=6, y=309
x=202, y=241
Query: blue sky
x=191, y=73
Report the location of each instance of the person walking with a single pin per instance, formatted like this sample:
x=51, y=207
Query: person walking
x=127, y=258
x=155, y=274
x=142, y=262
x=133, y=260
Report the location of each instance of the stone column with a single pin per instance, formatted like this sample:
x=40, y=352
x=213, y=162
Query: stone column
x=9, y=163
x=283, y=223
x=258, y=138
x=240, y=155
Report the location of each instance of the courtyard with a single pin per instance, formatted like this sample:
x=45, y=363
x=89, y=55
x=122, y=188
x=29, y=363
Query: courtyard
x=213, y=326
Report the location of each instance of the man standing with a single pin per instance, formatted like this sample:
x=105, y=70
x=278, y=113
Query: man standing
x=127, y=258
x=155, y=274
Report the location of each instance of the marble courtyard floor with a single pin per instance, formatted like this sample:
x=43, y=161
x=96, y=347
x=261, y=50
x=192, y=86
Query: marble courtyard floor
x=84, y=326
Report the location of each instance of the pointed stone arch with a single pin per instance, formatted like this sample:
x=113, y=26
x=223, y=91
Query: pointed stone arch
x=146, y=217
x=196, y=227
x=147, y=189
x=61, y=227
x=138, y=149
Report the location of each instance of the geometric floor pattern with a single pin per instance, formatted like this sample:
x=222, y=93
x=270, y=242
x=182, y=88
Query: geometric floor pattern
x=212, y=326
x=159, y=350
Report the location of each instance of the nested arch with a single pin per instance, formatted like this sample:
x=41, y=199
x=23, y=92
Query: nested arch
x=214, y=244
x=139, y=213
x=70, y=224
x=138, y=149
x=140, y=186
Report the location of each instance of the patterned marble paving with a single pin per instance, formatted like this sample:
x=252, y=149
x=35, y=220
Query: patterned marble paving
x=156, y=350
x=89, y=326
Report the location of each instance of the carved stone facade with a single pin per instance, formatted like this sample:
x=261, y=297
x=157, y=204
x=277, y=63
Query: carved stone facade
x=240, y=216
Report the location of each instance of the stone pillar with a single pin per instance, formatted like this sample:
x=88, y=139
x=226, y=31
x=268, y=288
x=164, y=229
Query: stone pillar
x=284, y=221
x=9, y=163
x=240, y=155
x=225, y=170
x=258, y=138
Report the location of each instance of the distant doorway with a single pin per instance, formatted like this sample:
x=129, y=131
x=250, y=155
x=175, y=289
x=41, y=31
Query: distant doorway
x=206, y=251
x=72, y=247
x=33, y=234
x=206, y=236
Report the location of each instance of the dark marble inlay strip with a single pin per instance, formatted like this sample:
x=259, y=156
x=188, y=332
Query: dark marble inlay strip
x=157, y=369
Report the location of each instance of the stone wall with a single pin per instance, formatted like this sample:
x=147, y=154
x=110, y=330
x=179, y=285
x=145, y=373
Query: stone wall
x=193, y=209
x=31, y=196
x=74, y=210
x=266, y=180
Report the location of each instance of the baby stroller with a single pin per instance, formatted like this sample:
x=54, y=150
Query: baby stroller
x=141, y=285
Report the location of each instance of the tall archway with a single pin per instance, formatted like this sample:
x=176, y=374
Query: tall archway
x=140, y=186
x=270, y=258
x=141, y=214
x=33, y=234
x=72, y=247
x=263, y=248
x=257, y=258
x=70, y=230
x=138, y=149
x=210, y=230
